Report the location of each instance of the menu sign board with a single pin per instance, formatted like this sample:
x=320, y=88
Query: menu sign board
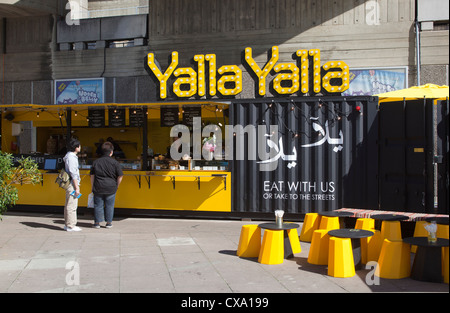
x=169, y=116
x=137, y=117
x=96, y=118
x=116, y=117
x=189, y=112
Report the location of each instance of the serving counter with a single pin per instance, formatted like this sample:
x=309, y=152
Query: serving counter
x=163, y=190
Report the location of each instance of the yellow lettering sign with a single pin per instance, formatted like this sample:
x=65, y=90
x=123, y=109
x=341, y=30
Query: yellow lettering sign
x=343, y=75
x=290, y=77
x=188, y=80
x=261, y=73
x=231, y=74
x=211, y=58
x=200, y=59
x=160, y=76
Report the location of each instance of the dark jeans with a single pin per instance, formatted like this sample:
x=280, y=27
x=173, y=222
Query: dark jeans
x=104, y=207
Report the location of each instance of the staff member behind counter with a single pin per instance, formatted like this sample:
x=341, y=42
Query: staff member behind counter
x=118, y=152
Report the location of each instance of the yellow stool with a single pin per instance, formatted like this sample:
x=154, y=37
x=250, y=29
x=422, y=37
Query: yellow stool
x=293, y=239
x=365, y=223
x=445, y=264
x=394, y=261
x=310, y=224
x=249, y=241
x=374, y=245
x=340, y=258
x=272, y=248
x=391, y=230
x=329, y=223
x=442, y=231
x=419, y=231
x=365, y=249
x=318, y=251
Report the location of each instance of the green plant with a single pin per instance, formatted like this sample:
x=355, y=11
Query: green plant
x=25, y=173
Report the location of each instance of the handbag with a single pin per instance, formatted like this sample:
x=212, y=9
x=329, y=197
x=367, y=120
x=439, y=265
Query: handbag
x=63, y=179
x=90, y=203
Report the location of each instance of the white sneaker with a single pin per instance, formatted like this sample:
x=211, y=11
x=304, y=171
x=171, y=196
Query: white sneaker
x=75, y=228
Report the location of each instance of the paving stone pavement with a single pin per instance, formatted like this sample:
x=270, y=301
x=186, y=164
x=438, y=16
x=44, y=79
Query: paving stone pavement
x=156, y=255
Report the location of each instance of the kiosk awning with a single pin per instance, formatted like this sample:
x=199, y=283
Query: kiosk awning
x=429, y=91
x=109, y=105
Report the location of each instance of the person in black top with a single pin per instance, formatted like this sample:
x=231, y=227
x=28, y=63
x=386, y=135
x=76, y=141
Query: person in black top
x=106, y=176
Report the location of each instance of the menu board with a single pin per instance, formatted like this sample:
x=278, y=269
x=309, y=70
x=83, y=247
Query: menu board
x=189, y=112
x=137, y=117
x=96, y=118
x=169, y=116
x=116, y=117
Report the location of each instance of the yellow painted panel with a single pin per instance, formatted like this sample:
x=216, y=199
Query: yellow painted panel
x=49, y=193
x=155, y=192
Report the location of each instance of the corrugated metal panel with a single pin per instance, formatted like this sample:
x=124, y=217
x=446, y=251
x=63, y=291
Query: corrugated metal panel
x=443, y=154
x=409, y=159
x=406, y=144
x=336, y=155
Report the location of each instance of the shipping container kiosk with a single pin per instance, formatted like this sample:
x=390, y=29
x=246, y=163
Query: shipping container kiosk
x=302, y=154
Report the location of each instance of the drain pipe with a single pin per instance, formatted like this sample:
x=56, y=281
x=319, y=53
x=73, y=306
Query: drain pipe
x=418, y=51
x=417, y=27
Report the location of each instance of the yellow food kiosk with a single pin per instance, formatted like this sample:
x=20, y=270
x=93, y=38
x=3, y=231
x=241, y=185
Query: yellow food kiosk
x=151, y=179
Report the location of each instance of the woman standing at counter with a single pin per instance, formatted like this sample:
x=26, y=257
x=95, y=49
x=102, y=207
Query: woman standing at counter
x=106, y=176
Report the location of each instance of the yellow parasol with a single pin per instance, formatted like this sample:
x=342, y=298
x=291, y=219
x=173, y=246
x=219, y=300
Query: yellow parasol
x=429, y=91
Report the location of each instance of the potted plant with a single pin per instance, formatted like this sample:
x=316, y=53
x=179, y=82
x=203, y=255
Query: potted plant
x=25, y=173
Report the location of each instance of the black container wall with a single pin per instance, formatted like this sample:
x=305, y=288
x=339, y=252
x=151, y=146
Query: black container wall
x=413, y=171
x=321, y=154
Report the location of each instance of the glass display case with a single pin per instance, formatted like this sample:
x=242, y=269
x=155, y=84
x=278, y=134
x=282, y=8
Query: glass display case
x=126, y=164
x=189, y=165
x=130, y=164
x=213, y=165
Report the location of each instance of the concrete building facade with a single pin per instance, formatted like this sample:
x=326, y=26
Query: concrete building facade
x=40, y=42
